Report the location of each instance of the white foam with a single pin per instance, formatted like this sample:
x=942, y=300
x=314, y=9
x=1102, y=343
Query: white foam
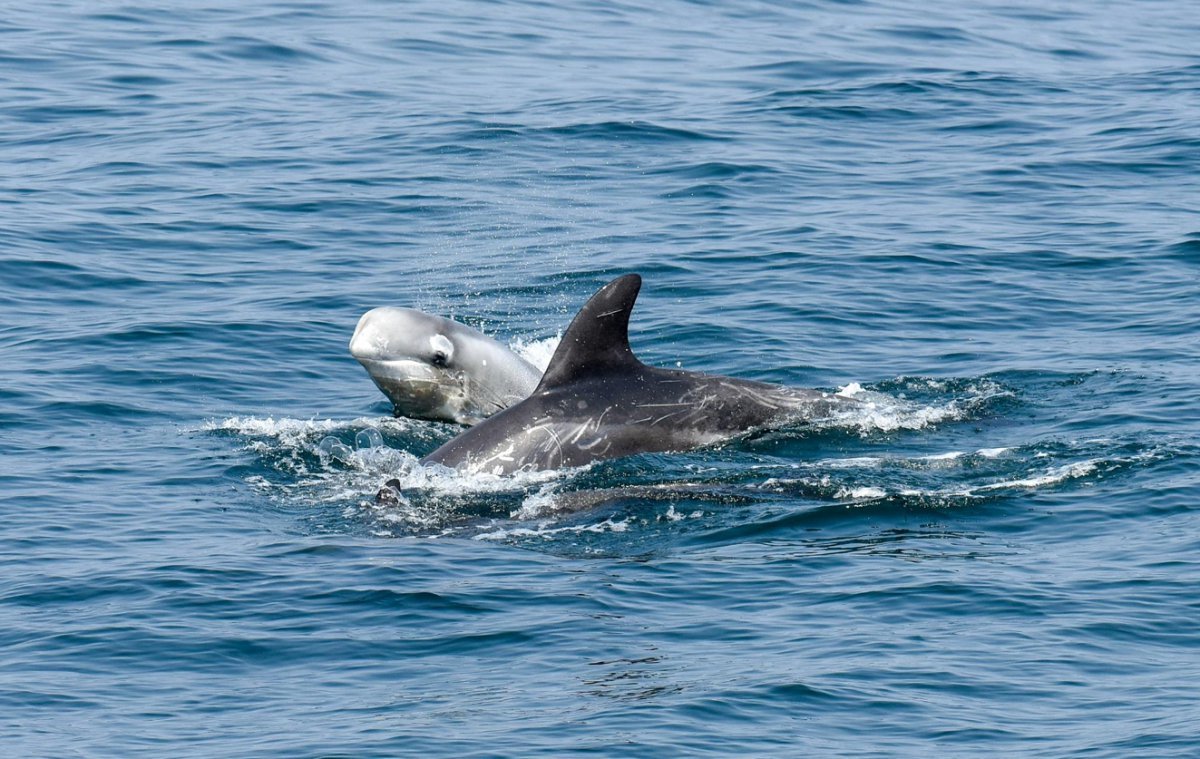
x=880, y=412
x=672, y=515
x=536, y=352
x=539, y=504
x=544, y=531
x=314, y=465
x=271, y=427
x=851, y=390
x=855, y=462
x=295, y=430
x=430, y=497
x=1051, y=477
x=860, y=493
x=951, y=456
x=827, y=483
x=442, y=479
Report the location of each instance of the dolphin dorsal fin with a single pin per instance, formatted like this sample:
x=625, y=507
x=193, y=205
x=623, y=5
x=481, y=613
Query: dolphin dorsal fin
x=598, y=339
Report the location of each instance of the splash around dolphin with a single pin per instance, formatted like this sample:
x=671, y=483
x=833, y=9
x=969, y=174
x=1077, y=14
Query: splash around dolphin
x=597, y=401
x=435, y=368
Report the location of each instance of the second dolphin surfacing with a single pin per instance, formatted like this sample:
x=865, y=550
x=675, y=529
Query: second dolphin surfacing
x=597, y=401
x=439, y=369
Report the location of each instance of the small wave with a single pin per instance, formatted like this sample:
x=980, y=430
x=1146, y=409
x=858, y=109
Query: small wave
x=262, y=51
x=860, y=493
x=298, y=433
x=1053, y=476
x=991, y=453
x=271, y=427
x=309, y=462
x=546, y=532
x=931, y=461
x=435, y=499
x=947, y=457
x=441, y=480
x=548, y=529
x=322, y=461
x=713, y=170
x=39, y=276
x=1188, y=249
x=960, y=478
x=887, y=410
x=553, y=501
x=326, y=442
x=636, y=131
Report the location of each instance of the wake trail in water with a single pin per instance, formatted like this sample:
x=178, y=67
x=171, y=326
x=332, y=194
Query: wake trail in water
x=345, y=464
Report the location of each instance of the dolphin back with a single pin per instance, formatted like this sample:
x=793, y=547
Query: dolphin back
x=597, y=401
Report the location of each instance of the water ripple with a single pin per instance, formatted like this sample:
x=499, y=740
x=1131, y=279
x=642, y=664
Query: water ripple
x=976, y=217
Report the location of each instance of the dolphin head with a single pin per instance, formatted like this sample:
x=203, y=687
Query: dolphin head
x=414, y=358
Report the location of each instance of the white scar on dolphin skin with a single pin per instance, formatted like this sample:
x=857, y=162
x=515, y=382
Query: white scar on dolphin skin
x=435, y=368
x=646, y=409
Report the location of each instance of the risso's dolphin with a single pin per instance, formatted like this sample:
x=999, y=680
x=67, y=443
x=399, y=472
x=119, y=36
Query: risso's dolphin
x=435, y=368
x=597, y=401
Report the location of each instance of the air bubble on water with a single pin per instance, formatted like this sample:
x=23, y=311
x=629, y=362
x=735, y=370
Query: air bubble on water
x=368, y=438
x=331, y=447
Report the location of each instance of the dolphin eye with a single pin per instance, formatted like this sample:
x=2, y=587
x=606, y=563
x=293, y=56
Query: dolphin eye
x=442, y=350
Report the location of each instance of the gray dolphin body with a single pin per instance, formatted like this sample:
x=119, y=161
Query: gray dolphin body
x=597, y=401
x=435, y=368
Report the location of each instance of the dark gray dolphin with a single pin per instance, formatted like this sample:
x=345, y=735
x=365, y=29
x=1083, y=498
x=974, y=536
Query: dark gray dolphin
x=597, y=401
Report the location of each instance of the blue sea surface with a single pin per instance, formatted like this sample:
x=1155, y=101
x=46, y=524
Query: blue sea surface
x=983, y=218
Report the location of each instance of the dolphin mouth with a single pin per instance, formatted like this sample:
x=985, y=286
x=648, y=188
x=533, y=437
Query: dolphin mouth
x=402, y=371
x=415, y=388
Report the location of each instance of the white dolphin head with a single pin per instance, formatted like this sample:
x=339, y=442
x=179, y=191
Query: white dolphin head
x=434, y=368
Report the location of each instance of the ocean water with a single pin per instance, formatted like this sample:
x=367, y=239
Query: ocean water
x=983, y=218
